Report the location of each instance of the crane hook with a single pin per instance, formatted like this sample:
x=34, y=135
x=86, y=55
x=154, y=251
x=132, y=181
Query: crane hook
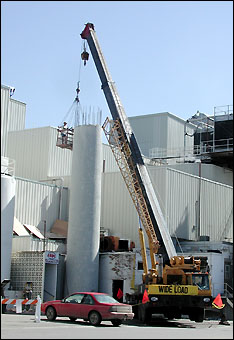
x=85, y=55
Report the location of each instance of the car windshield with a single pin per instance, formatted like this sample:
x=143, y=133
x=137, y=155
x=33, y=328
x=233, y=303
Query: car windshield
x=202, y=281
x=105, y=299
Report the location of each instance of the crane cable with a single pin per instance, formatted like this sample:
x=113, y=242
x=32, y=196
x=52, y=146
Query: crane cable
x=75, y=107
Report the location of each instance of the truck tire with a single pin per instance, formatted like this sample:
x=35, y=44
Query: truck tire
x=197, y=315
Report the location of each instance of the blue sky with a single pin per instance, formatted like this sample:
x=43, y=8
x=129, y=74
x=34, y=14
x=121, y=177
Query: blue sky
x=174, y=56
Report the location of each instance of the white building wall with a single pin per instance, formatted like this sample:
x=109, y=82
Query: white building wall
x=150, y=131
x=36, y=202
x=109, y=162
x=36, y=155
x=208, y=171
x=12, y=116
x=17, y=115
x=30, y=243
x=177, y=194
x=161, y=134
x=118, y=213
x=5, y=95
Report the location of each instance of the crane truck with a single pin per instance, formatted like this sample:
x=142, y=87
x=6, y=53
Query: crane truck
x=175, y=285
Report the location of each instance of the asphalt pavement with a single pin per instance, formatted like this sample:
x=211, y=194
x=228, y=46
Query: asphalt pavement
x=24, y=326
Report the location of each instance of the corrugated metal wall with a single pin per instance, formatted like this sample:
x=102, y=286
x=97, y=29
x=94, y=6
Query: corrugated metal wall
x=12, y=116
x=118, y=213
x=59, y=160
x=150, y=131
x=5, y=94
x=17, y=115
x=177, y=193
x=29, y=148
x=161, y=132
x=109, y=162
x=36, y=202
x=36, y=155
x=208, y=171
x=30, y=243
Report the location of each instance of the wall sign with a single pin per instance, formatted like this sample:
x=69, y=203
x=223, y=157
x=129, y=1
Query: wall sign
x=52, y=257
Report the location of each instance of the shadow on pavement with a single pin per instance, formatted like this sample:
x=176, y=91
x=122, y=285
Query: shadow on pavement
x=159, y=322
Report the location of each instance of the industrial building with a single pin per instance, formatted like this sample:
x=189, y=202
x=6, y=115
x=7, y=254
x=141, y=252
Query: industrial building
x=68, y=222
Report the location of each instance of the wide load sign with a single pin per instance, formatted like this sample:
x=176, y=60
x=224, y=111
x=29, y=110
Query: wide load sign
x=172, y=290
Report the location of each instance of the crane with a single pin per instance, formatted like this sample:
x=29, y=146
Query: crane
x=169, y=267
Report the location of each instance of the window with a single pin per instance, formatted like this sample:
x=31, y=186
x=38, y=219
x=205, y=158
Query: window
x=201, y=280
x=88, y=300
x=76, y=298
x=140, y=265
x=105, y=299
x=227, y=271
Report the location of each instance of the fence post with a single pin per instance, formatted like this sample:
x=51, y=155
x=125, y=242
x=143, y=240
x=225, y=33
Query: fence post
x=38, y=310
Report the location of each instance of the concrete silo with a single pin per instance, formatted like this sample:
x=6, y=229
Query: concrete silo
x=83, y=239
x=7, y=220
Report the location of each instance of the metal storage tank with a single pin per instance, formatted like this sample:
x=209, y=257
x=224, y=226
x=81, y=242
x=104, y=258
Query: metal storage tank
x=83, y=237
x=117, y=270
x=7, y=220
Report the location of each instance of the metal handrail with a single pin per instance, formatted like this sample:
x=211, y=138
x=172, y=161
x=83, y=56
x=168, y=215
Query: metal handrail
x=228, y=290
x=209, y=146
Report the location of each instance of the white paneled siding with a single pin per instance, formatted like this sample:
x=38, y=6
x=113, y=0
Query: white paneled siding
x=12, y=116
x=59, y=160
x=177, y=194
x=217, y=211
x=175, y=136
x=36, y=155
x=17, y=115
x=109, y=162
x=29, y=149
x=150, y=131
x=208, y=171
x=182, y=194
x=161, y=134
x=118, y=213
x=36, y=202
x=30, y=243
x=5, y=94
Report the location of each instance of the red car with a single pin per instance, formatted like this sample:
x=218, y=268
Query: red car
x=95, y=307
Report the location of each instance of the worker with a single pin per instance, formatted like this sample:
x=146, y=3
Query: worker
x=27, y=292
x=63, y=129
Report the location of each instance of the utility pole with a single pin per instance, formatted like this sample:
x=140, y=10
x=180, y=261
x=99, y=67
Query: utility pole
x=44, y=244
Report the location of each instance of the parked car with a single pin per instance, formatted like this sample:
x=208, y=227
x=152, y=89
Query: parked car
x=89, y=306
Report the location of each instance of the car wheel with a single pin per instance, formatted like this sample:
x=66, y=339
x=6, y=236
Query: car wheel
x=116, y=322
x=95, y=318
x=51, y=313
x=72, y=319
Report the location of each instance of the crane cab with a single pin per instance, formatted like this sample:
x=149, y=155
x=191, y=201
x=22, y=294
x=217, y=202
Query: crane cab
x=65, y=137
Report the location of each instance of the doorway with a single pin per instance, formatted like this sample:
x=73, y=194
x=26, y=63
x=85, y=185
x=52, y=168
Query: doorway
x=115, y=288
